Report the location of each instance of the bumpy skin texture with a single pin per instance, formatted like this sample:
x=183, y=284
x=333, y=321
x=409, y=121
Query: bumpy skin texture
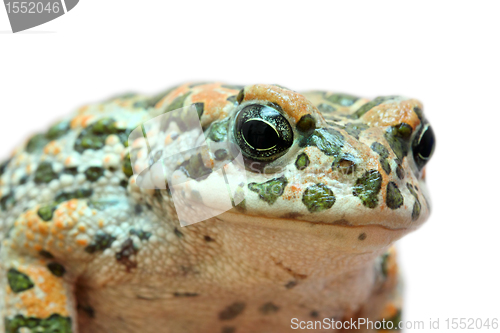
x=85, y=249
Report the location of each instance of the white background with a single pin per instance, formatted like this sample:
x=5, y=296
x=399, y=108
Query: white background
x=444, y=53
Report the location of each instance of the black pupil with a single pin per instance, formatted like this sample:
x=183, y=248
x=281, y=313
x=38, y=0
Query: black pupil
x=259, y=134
x=426, y=144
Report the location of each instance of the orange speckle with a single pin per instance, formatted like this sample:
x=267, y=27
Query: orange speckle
x=123, y=153
x=54, y=299
x=35, y=227
x=82, y=242
x=388, y=114
x=53, y=229
x=214, y=100
x=80, y=120
x=137, y=169
x=85, y=120
x=29, y=235
x=82, y=228
x=112, y=140
x=294, y=104
x=72, y=204
x=38, y=247
x=83, y=109
x=52, y=148
x=292, y=192
x=389, y=311
x=174, y=94
x=168, y=139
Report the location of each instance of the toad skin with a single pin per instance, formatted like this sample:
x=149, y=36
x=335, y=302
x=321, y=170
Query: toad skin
x=332, y=181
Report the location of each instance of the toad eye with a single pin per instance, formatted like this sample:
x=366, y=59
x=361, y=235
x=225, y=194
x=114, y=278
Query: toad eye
x=259, y=134
x=262, y=132
x=423, y=146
